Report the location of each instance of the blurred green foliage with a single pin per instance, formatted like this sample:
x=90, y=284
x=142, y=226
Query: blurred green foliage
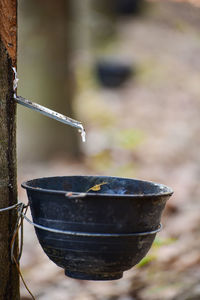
x=129, y=138
x=158, y=243
x=146, y=260
x=101, y=161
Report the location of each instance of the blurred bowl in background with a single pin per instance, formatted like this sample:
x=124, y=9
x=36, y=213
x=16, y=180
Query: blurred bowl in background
x=129, y=7
x=113, y=74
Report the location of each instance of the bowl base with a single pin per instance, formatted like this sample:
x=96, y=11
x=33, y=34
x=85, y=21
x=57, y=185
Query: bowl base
x=93, y=276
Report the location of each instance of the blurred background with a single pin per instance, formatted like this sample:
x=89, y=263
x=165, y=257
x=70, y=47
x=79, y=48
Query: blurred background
x=130, y=71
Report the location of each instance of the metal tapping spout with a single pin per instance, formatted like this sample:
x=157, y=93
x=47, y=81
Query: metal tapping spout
x=46, y=111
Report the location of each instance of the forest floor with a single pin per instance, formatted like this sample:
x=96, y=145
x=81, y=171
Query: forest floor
x=148, y=129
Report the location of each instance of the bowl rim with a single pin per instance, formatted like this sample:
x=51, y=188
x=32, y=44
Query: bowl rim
x=169, y=192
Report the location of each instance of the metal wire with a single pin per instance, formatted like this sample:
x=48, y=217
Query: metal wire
x=10, y=207
x=91, y=234
x=19, y=225
x=21, y=207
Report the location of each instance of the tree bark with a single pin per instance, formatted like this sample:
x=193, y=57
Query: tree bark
x=9, y=278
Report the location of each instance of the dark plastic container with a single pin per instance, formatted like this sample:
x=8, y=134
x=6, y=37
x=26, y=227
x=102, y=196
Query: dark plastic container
x=129, y=7
x=107, y=231
x=113, y=74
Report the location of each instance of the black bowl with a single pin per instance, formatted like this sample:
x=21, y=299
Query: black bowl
x=129, y=7
x=112, y=74
x=107, y=231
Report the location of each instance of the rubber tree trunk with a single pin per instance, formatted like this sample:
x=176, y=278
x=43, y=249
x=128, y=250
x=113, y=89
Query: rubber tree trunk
x=9, y=279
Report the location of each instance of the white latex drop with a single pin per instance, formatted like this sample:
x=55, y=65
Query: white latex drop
x=83, y=133
x=15, y=81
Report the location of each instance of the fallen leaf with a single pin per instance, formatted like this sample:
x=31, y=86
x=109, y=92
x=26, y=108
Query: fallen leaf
x=96, y=187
